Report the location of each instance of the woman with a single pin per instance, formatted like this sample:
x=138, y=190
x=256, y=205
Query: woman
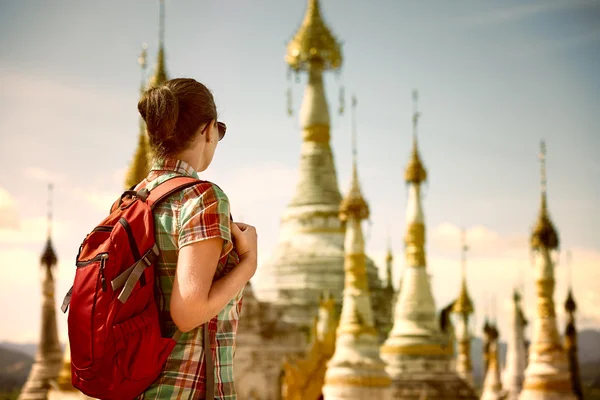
x=206, y=259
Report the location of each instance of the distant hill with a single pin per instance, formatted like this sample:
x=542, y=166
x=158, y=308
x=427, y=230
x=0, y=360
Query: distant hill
x=14, y=368
x=27, y=348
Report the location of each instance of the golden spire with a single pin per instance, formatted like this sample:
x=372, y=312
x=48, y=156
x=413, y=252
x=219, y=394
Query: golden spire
x=570, y=305
x=354, y=203
x=48, y=258
x=389, y=260
x=415, y=172
x=313, y=43
x=140, y=165
x=544, y=234
x=160, y=74
x=463, y=304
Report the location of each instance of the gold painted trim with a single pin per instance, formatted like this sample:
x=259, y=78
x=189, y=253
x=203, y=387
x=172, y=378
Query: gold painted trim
x=417, y=350
x=366, y=381
x=316, y=133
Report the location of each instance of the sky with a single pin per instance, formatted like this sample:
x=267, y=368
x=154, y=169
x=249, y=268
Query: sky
x=493, y=79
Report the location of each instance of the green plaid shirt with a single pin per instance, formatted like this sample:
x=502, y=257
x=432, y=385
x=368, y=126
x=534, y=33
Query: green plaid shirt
x=193, y=214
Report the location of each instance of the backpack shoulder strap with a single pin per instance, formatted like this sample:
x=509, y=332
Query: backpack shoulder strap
x=169, y=187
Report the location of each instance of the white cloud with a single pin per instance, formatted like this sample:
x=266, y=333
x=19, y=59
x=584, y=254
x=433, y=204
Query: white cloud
x=43, y=175
x=99, y=200
x=497, y=264
x=21, y=267
x=33, y=230
x=9, y=217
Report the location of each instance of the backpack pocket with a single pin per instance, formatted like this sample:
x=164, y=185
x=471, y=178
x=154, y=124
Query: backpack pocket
x=83, y=318
x=141, y=351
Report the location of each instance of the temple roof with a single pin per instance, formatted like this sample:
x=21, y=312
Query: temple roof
x=313, y=43
x=544, y=234
x=354, y=204
x=570, y=305
x=48, y=258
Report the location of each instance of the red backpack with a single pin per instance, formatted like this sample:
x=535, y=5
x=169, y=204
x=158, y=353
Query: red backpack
x=117, y=349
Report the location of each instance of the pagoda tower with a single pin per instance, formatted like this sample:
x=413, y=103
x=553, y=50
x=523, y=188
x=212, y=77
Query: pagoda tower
x=140, y=164
x=417, y=352
x=463, y=306
x=516, y=354
x=547, y=375
x=389, y=294
x=309, y=256
x=356, y=371
x=492, y=386
x=571, y=339
x=47, y=363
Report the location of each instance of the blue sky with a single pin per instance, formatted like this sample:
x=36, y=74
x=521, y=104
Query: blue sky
x=494, y=79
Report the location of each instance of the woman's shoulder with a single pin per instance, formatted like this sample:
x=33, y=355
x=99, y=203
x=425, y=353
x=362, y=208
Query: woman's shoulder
x=204, y=192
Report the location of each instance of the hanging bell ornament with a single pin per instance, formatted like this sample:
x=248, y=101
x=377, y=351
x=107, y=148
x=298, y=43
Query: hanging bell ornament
x=290, y=109
x=342, y=101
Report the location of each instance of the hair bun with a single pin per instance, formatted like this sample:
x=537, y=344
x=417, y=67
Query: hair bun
x=160, y=109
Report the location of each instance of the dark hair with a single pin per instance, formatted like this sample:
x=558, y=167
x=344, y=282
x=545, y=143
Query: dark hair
x=173, y=112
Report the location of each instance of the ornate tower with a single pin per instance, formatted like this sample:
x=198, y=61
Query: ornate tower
x=388, y=297
x=309, y=257
x=355, y=371
x=416, y=351
x=48, y=358
x=140, y=165
x=492, y=386
x=516, y=360
x=463, y=306
x=571, y=339
x=547, y=374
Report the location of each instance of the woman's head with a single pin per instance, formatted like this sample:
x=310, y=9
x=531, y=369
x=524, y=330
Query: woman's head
x=181, y=121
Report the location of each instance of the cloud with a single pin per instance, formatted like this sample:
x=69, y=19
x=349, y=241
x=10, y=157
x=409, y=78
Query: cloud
x=9, y=217
x=33, y=230
x=97, y=199
x=446, y=238
x=496, y=264
x=43, y=175
x=21, y=267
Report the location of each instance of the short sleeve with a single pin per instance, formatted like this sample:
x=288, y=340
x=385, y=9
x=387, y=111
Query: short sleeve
x=204, y=214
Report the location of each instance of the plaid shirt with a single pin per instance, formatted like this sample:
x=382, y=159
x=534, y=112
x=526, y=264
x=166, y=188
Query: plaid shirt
x=191, y=215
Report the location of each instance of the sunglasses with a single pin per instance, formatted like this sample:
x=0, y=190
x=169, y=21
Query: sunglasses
x=222, y=129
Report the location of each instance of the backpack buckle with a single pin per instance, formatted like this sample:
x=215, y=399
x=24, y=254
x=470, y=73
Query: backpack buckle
x=142, y=194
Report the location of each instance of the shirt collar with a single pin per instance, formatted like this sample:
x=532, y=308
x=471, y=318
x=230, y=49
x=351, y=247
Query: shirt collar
x=173, y=165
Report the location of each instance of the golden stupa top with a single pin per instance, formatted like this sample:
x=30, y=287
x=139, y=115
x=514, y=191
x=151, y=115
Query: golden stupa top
x=544, y=234
x=415, y=171
x=463, y=304
x=48, y=258
x=354, y=204
x=313, y=43
x=389, y=257
x=570, y=305
x=160, y=73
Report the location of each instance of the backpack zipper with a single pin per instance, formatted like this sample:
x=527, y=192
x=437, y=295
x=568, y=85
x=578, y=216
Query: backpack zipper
x=88, y=262
x=103, y=258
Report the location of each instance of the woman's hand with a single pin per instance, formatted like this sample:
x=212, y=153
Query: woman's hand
x=246, y=240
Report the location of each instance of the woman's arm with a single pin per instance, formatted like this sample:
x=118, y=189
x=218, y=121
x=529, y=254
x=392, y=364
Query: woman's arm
x=195, y=298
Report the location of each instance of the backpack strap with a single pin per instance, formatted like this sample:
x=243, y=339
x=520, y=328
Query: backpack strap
x=169, y=187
